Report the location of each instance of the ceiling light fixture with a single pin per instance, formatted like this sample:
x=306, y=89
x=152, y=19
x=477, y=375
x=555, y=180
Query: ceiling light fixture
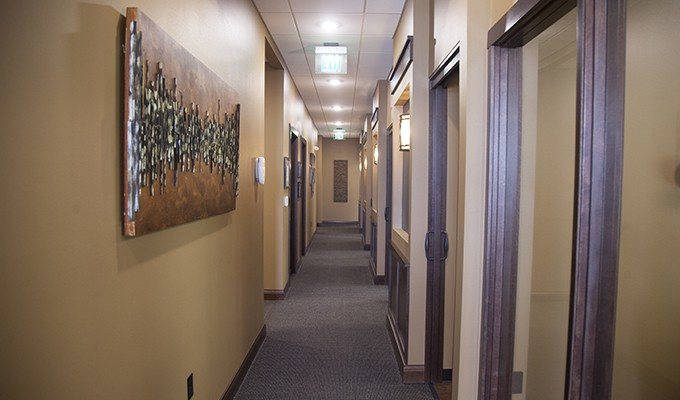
x=329, y=25
x=336, y=108
x=334, y=82
x=338, y=123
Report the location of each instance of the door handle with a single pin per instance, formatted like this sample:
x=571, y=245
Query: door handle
x=427, y=245
x=445, y=245
x=387, y=214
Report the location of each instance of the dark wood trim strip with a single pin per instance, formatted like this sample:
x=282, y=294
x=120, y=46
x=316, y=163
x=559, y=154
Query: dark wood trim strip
x=527, y=19
x=502, y=223
x=409, y=373
x=337, y=223
x=600, y=96
x=374, y=118
x=367, y=246
x=377, y=279
x=402, y=65
x=273, y=294
x=237, y=380
x=446, y=68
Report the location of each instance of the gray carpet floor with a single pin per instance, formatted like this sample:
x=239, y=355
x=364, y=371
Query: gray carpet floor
x=328, y=339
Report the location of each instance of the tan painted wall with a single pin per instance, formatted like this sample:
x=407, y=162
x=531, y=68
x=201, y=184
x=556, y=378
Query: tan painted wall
x=466, y=22
x=553, y=215
x=381, y=100
x=347, y=149
x=287, y=109
x=647, y=345
x=85, y=313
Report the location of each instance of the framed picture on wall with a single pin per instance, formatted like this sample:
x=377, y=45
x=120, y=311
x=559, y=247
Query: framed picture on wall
x=286, y=172
x=312, y=179
x=312, y=159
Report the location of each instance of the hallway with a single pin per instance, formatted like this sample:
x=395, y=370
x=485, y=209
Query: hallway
x=328, y=339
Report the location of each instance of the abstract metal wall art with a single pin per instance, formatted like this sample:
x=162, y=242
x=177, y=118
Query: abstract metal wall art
x=180, y=163
x=340, y=181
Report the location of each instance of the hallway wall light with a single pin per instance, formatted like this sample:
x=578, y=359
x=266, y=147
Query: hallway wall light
x=405, y=132
x=375, y=154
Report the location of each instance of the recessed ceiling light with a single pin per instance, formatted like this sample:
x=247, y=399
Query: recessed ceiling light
x=334, y=82
x=329, y=25
x=338, y=123
x=336, y=108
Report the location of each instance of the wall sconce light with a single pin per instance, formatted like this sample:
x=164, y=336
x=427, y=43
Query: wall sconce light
x=361, y=164
x=405, y=132
x=366, y=163
x=375, y=154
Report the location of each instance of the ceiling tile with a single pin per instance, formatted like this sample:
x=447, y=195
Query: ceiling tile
x=377, y=44
x=279, y=23
x=384, y=6
x=310, y=23
x=350, y=41
x=288, y=43
x=328, y=6
x=264, y=6
x=380, y=24
x=374, y=65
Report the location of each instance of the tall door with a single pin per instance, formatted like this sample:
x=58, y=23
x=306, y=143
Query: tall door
x=303, y=196
x=297, y=210
x=388, y=205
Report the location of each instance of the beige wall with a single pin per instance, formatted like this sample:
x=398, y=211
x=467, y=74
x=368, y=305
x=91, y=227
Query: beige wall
x=647, y=345
x=347, y=149
x=287, y=109
x=87, y=314
x=381, y=100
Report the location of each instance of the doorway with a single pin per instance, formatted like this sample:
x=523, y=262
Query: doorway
x=297, y=199
x=442, y=219
x=592, y=246
x=388, y=206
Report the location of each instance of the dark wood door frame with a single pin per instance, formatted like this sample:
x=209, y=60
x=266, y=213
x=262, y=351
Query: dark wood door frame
x=295, y=244
x=387, y=213
x=436, y=241
x=600, y=106
x=303, y=159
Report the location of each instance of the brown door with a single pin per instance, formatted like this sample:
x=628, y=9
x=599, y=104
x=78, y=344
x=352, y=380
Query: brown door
x=303, y=196
x=388, y=207
x=296, y=203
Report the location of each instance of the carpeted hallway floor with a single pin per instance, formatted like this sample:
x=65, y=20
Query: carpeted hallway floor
x=328, y=339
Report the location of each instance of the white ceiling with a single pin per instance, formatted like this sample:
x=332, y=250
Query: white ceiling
x=366, y=27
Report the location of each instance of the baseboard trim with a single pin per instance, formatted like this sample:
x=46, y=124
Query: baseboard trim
x=409, y=373
x=236, y=382
x=273, y=294
x=332, y=223
x=377, y=279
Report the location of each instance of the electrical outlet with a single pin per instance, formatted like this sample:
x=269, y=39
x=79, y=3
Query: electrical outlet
x=190, y=386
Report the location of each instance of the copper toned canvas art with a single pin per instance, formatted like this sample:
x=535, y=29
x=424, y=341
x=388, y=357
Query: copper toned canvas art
x=181, y=133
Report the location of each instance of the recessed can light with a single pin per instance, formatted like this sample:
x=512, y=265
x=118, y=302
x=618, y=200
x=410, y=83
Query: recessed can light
x=338, y=123
x=336, y=108
x=334, y=82
x=329, y=25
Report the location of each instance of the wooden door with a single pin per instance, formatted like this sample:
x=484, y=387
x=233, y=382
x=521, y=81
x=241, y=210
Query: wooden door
x=388, y=203
x=296, y=203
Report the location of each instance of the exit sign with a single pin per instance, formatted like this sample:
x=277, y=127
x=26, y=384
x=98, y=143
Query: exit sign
x=330, y=59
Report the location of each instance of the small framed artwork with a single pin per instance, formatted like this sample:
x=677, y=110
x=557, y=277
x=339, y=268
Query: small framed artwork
x=312, y=179
x=286, y=172
x=312, y=159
